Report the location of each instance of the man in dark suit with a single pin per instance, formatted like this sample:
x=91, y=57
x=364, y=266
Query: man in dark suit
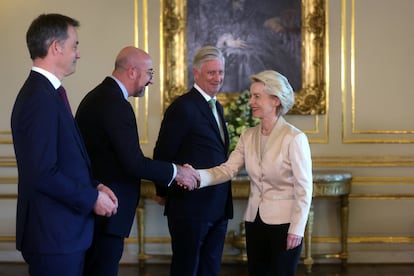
x=191, y=134
x=108, y=125
x=56, y=192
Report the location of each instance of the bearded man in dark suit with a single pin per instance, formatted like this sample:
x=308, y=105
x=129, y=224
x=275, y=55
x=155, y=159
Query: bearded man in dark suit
x=108, y=125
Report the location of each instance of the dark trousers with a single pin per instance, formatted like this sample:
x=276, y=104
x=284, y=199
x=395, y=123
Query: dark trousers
x=266, y=250
x=197, y=246
x=102, y=258
x=52, y=265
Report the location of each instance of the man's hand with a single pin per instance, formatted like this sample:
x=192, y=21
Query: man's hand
x=160, y=200
x=106, y=203
x=187, y=177
x=101, y=187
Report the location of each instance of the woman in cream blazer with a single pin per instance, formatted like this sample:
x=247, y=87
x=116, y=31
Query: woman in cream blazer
x=277, y=158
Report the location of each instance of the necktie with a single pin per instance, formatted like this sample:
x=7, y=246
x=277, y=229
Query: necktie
x=212, y=103
x=62, y=94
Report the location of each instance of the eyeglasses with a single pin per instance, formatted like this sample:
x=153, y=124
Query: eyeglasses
x=150, y=73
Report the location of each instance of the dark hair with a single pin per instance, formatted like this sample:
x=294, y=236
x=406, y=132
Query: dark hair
x=44, y=30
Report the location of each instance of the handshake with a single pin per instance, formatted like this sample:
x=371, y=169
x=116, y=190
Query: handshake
x=187, y=177
x=107, y=202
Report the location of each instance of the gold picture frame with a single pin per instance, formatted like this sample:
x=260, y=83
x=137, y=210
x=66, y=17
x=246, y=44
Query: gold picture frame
x=310, y=100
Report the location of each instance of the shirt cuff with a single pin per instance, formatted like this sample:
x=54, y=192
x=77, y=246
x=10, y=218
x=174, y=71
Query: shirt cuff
x=174, y=174
x=205, y=179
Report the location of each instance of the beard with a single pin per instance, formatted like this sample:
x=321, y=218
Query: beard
x=139, y=93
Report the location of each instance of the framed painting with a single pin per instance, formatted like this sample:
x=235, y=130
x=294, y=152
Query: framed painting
x=255, y=35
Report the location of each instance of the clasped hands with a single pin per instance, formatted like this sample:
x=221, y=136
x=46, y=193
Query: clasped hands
x=187, y=177
x=107, y=202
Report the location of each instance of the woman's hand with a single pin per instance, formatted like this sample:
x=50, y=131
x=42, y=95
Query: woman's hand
x=293, y=241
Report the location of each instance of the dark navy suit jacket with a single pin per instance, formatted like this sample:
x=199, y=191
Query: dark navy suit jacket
x=108, y=125
x=189, y=134
x=56, y=193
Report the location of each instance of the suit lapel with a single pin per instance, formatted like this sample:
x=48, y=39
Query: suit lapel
x=275, y=135
x=223, y=123
x=206, y=110
x=65, y=114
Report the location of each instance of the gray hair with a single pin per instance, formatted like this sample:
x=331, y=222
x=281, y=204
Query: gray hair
x=277, y=85
x=207, y=53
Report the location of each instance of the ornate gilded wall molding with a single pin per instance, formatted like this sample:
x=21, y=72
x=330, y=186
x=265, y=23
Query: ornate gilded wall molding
x=311, y=99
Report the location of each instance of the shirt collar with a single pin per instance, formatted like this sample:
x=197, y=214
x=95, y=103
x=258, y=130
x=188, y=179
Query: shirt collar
x=120, y=84
x=52, y=78
x=204, y=94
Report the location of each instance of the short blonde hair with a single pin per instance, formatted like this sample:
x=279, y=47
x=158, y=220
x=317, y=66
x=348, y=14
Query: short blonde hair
x=277, y=85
